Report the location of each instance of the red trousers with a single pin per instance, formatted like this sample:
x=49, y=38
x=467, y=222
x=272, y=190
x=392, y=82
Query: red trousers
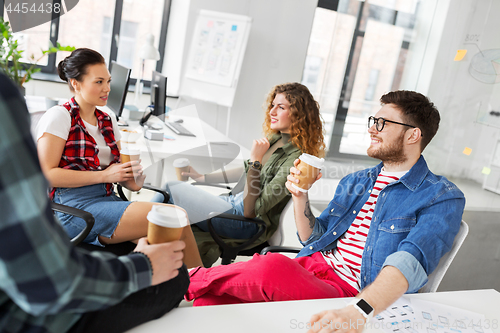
x=272, y=277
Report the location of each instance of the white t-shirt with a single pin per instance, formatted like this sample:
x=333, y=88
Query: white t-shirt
x=57, y=121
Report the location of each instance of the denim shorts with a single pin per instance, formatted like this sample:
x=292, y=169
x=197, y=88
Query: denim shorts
x=107, y=210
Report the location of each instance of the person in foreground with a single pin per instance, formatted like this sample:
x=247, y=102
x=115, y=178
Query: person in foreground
x=292, y=126
x=382, y=234
x=48, y=285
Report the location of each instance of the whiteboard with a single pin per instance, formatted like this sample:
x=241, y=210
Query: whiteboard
x=215, y=57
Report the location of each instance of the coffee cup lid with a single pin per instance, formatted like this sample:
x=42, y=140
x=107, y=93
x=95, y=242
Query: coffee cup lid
x=312, y=160
x=168, y=216
x=181, y=163
x=130, y=151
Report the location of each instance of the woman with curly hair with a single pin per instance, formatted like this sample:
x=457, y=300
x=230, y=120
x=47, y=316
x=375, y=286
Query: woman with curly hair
x=292, y=126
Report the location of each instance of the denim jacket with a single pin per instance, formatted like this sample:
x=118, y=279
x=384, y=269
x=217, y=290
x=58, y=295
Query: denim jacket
x=414, y=223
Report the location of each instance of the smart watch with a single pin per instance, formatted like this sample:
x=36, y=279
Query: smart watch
x=256, y=165
x=363, y=307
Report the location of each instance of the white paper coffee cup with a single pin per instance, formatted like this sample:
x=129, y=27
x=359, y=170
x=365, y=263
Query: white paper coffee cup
x=166, y=223
x=309, y=166
x=181, y=165
x=129, y=154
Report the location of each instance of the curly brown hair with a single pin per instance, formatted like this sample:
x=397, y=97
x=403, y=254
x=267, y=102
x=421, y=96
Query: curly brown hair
x=306, y=129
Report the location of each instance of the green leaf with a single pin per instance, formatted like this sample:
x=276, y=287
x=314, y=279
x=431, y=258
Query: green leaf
x=67, y=48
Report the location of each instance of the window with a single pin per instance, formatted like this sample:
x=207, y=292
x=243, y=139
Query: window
x=357, y=52
x=89, y=24
x=114, y=28
x=33, y=41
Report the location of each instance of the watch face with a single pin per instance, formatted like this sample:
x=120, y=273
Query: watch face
x=256, y=165
x=363, y=305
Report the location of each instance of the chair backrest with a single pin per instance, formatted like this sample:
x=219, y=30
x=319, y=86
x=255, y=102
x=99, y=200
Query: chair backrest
x=445, y=262
x=278, y=237
x=35, y=118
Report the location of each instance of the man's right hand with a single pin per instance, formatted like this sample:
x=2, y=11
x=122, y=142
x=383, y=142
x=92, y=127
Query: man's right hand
x=291, y=179
x=166, y=258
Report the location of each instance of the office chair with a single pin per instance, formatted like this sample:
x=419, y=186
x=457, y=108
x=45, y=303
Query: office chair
x=243, y=247
x=86, y=216
x=434, y=279
x=118, y=248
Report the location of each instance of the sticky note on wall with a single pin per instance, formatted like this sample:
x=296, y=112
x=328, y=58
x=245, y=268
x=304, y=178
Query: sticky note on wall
x=467, y=151
x=460, y=55
x=486, y=171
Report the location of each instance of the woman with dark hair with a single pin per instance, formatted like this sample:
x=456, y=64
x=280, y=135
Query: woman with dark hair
x=292, y=126
x=79, y=151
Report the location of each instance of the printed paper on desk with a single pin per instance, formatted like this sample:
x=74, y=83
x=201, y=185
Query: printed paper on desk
x=397, y=318
x=417, y=316
x=439, y=318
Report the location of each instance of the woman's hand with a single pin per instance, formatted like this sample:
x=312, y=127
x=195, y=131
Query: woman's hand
x=122, y=172
x=197, y=177
x=259, y=148
x=137, y=180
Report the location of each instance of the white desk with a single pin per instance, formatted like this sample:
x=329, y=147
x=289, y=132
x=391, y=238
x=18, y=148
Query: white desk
x=206, y=152
x=286, y=316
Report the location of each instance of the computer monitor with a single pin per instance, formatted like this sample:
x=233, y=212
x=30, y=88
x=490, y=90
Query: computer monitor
x=158, y=93
x=120, y=77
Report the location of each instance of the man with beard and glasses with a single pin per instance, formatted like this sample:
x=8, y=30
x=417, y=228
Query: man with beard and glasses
x=381, y=236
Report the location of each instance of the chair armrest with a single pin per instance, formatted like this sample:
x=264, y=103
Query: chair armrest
x=165, y=194
x=227, y=187
x=280, y=249
x=232, y=251
x=86, y=216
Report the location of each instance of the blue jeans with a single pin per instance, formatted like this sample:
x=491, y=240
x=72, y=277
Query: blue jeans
x=198, y=203
x=107, y=210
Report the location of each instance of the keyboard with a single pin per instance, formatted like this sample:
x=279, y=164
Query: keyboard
x=178, y=129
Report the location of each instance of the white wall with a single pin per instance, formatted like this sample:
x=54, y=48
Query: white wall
x=275, y=53
x=455, y=92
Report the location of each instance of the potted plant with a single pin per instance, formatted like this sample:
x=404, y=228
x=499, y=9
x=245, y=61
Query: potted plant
x=10, y=56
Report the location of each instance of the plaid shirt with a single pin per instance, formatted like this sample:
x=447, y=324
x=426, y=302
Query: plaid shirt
x=81, y=151
x=45, y=282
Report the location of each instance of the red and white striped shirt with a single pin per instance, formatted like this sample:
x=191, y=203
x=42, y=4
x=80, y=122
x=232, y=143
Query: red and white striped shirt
x=345, y=259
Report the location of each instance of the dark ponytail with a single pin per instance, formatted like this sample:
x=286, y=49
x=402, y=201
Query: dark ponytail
x=75, y=65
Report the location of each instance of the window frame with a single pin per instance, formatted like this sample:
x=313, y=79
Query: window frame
x=347, y=85
x=51, y=67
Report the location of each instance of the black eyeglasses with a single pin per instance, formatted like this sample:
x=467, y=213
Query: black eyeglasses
x=380, y=123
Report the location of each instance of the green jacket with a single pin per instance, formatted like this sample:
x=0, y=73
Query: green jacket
x=268, y=207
